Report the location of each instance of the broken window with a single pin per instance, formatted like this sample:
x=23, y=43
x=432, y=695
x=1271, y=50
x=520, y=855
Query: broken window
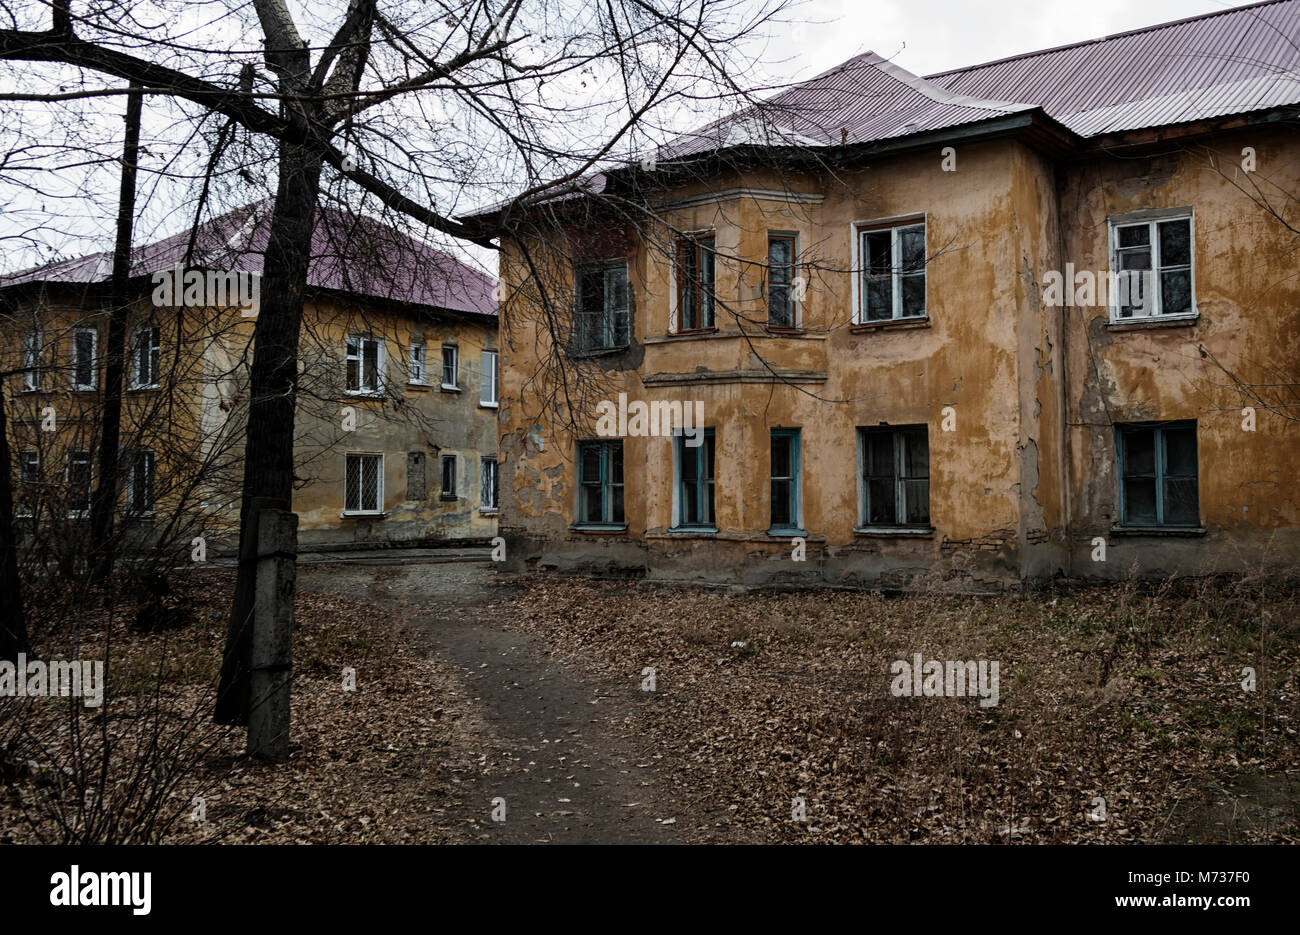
x=895, y=489
x=1153, y=260
x=601, y=311
x=600, y=483
x=364, y=491
x=892, y=285
x=1158, y=475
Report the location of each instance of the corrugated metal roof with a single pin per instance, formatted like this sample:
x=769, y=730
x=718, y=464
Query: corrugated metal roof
x=357, y=255
x=1227, y=62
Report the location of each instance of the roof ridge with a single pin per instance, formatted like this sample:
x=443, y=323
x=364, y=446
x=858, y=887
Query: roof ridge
x=1118, y=35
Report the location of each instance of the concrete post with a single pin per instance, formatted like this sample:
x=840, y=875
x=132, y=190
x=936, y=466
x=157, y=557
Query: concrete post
x=272, y=651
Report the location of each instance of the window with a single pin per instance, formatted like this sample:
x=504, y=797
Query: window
x=695, y=283
x=144, y=357
x=895, y=489
x=139, y=482
x=365, y=365
x=83, y=358
x=487, y=391
x=785, y=480
x=448, y=477
x=1158, y=476
x=892, y=284
x=419, y=364
x=450, y=364
x=364, y=484
x=487, y=490
x=600, y=483
x=602, y=306
x=79, y=476
x=1155, y=256
x=32, y=360
x=29, y=472
x=780, y=281
x=695, y=477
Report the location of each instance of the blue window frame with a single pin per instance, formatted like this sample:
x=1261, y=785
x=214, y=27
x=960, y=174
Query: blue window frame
x=785, y=482
x=1158, y=474
x=695, y=487
x=600, y=483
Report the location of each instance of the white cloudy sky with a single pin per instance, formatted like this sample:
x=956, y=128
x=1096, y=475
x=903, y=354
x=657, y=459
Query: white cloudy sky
x=928, y=36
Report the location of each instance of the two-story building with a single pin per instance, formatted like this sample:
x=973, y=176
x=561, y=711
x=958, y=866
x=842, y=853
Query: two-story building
x=1032, y=317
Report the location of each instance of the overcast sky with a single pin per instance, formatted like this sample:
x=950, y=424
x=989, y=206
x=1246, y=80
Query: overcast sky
x=929, y=36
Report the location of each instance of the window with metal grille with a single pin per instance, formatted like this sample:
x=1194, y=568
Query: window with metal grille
x=600, y=483
x=365, y=363
x=487, y=495
x=364, y=484
x=601, y=309
x=83, y=358
x=145, y=352
x=892, y=283
x=895, y=465
x=1158, y=475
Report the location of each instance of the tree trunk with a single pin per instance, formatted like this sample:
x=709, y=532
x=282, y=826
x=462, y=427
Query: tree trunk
x=105, y=500
x=268, y=449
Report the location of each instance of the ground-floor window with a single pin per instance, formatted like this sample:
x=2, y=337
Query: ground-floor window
x=448, y=477
x=364, y=483
x=695, y=480
x=895, y=487
x=487, y=484
x=79, y=475
x=600, y=482
x=785, y=480
x=140, y=482
x=1158, y=474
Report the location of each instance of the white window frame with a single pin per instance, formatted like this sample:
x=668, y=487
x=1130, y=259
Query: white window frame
x=455, y=367
x=379, y=484
x=90, y=479
x=32, y=346
x=442, y=477
x=155, y=356
x=360, y=358
x=418, y=372
x=136, y=459
x=94, y=351
x=895, y=225
x=1152, y=220
x=488, y=380
x=484, y=506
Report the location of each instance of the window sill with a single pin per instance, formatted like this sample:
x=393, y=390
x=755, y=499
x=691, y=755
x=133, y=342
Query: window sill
x=691, y=532
x=598, y=527
x=143, y=387
x=447, y=388
x=581, y=353
x=1183, y=531
x=787, y=331
x=889, y=532
x=82, y=389
x=417, y=385
x=489, y=405
x=1152, y=321
x=490, y=511
x=901, y=324
x=363, y=394
x=362, y=514
x=787, y=532
x=448, y=498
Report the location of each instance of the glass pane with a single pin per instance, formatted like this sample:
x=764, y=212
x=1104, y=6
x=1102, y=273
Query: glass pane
x=353, y=495
x=914, y=295
x=781, y=466
x=781, y=496
x=591, y=464
x=616, y=287
x=371, y=365
x=85, y=362
x=1180, y=452
x=616, y=504
x=880, y=453
x=913, y=247
x=880, y=298
x=916, y=454
x=780, y=253
x=1139, y=453
x=1134, y=236
x=615, y=458
x=1135, y=259
x=880, y=502
x=591, y=503
x=880, y=256
x=1176, y=292
x=1175, y=243
x=690, y=500
x=779, y=310
x=916, y=501
x=1140, y=500
x=1181, y=508
x=708, y=506
x=708, y=456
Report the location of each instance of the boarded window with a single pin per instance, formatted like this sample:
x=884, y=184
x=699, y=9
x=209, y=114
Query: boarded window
x=415, y=482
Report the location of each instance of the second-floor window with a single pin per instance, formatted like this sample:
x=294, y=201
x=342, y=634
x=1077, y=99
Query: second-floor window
x=145, y=352
x=696, y=268
x=487, y=391
x=892, y=260
x=83, y=358
x=419, y=365
x=450, y=367
x=365, y=364
x=602, y=306
x=32, y=360
x=780, y=281
x=1154, y=257
x=895, y=487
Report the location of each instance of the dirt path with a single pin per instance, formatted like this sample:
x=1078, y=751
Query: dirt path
x=561, y=750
